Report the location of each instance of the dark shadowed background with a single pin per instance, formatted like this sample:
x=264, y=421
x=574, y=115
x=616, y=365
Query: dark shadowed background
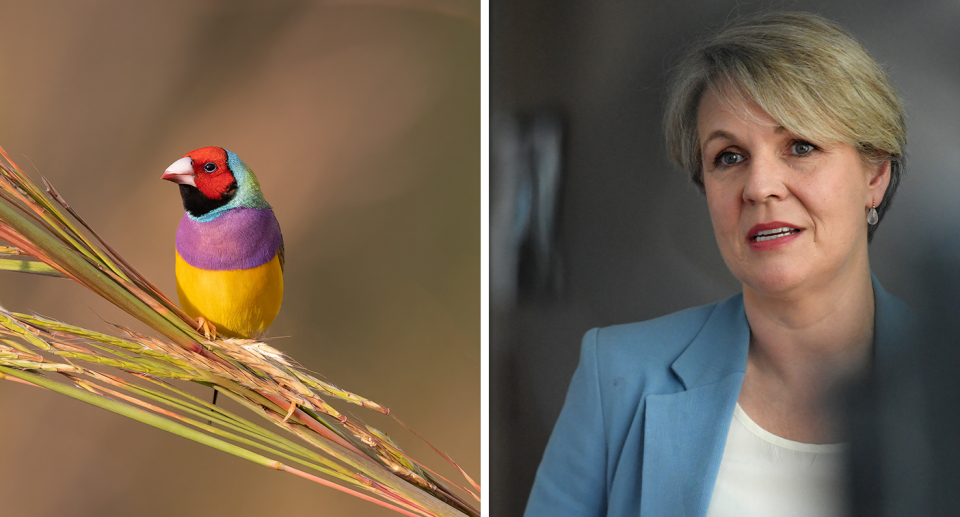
x=627, y=236
x=361, y=120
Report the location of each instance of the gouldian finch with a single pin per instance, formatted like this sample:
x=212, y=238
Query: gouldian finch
x=229, y=257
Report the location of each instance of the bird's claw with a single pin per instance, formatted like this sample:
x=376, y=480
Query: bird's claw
x=206, y=328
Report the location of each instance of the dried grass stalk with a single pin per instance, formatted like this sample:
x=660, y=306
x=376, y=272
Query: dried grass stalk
x=136, y=375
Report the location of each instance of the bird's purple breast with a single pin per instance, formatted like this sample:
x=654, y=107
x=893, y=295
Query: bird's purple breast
x=241, y=238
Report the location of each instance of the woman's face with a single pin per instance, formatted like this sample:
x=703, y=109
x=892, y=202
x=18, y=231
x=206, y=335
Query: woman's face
x=787, y=212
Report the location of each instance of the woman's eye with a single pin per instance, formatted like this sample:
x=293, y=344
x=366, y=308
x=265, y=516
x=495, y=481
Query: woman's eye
x=802, y=148
x=728, y=158
x=210, y=167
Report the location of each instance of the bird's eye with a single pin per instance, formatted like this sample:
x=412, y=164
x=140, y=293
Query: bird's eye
x=210, y=167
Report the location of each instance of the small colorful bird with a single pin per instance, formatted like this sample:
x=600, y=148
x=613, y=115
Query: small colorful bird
x=229, y=247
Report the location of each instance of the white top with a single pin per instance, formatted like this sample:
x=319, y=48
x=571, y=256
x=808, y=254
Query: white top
x=762, y=474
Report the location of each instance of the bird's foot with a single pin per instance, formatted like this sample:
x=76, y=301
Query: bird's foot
x=206, y=328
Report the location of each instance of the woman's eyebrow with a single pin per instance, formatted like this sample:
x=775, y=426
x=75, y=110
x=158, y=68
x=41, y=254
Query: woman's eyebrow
x=719, y=133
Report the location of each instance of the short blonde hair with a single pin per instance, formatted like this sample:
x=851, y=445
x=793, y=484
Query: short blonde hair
x=804, y=71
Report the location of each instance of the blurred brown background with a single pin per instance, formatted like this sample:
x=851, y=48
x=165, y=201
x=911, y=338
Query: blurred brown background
x=361, y=120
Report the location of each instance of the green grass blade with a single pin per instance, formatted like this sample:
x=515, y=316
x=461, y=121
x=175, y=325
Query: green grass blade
x=96, y=279
x=29, y=266
x=145, y=417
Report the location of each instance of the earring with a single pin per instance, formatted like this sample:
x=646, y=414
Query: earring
x=872, y=217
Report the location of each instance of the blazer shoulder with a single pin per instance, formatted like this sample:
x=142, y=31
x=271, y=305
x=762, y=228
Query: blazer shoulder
x=639, y=355
x=647, y=341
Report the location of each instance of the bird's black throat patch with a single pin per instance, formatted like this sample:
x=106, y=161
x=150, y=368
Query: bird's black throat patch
x=196, y=204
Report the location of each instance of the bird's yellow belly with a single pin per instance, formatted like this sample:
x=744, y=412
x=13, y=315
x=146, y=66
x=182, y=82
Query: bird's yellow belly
x=239, y=302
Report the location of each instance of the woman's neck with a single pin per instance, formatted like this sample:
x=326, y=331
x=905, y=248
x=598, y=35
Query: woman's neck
x=803, y=343
x=808, y=329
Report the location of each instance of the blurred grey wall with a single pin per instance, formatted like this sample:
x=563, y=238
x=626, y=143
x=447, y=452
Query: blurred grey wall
x=633, y=237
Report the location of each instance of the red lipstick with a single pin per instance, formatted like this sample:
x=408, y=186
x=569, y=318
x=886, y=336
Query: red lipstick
x=767, y=236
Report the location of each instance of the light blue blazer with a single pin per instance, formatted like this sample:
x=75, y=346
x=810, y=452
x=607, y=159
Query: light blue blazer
x=645, y=422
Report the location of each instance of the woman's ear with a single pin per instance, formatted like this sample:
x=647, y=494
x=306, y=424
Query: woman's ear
x=878, y=179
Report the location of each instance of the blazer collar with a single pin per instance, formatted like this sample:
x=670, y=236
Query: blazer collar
x=719, y=349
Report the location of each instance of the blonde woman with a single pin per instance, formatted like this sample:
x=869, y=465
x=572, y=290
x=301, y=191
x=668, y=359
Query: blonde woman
x=796, y=137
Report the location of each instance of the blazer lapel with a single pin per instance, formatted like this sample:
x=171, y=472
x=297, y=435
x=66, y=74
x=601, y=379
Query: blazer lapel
x=685, y=432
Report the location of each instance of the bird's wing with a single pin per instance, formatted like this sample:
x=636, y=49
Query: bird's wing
x=280, y=253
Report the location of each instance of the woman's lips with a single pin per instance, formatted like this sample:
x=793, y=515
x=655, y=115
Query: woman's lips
x=772, y=237
x=775, y=233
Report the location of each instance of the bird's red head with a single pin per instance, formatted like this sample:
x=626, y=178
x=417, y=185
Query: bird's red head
x=207, y=169
x=205, y=179
x=213, y=177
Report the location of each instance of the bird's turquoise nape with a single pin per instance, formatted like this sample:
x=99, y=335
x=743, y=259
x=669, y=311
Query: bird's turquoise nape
x=138, y=375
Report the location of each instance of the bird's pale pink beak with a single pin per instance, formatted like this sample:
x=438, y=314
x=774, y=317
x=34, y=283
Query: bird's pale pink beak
x=180, y=171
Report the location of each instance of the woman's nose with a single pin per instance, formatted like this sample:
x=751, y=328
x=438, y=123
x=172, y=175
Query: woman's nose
x=764, y=179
